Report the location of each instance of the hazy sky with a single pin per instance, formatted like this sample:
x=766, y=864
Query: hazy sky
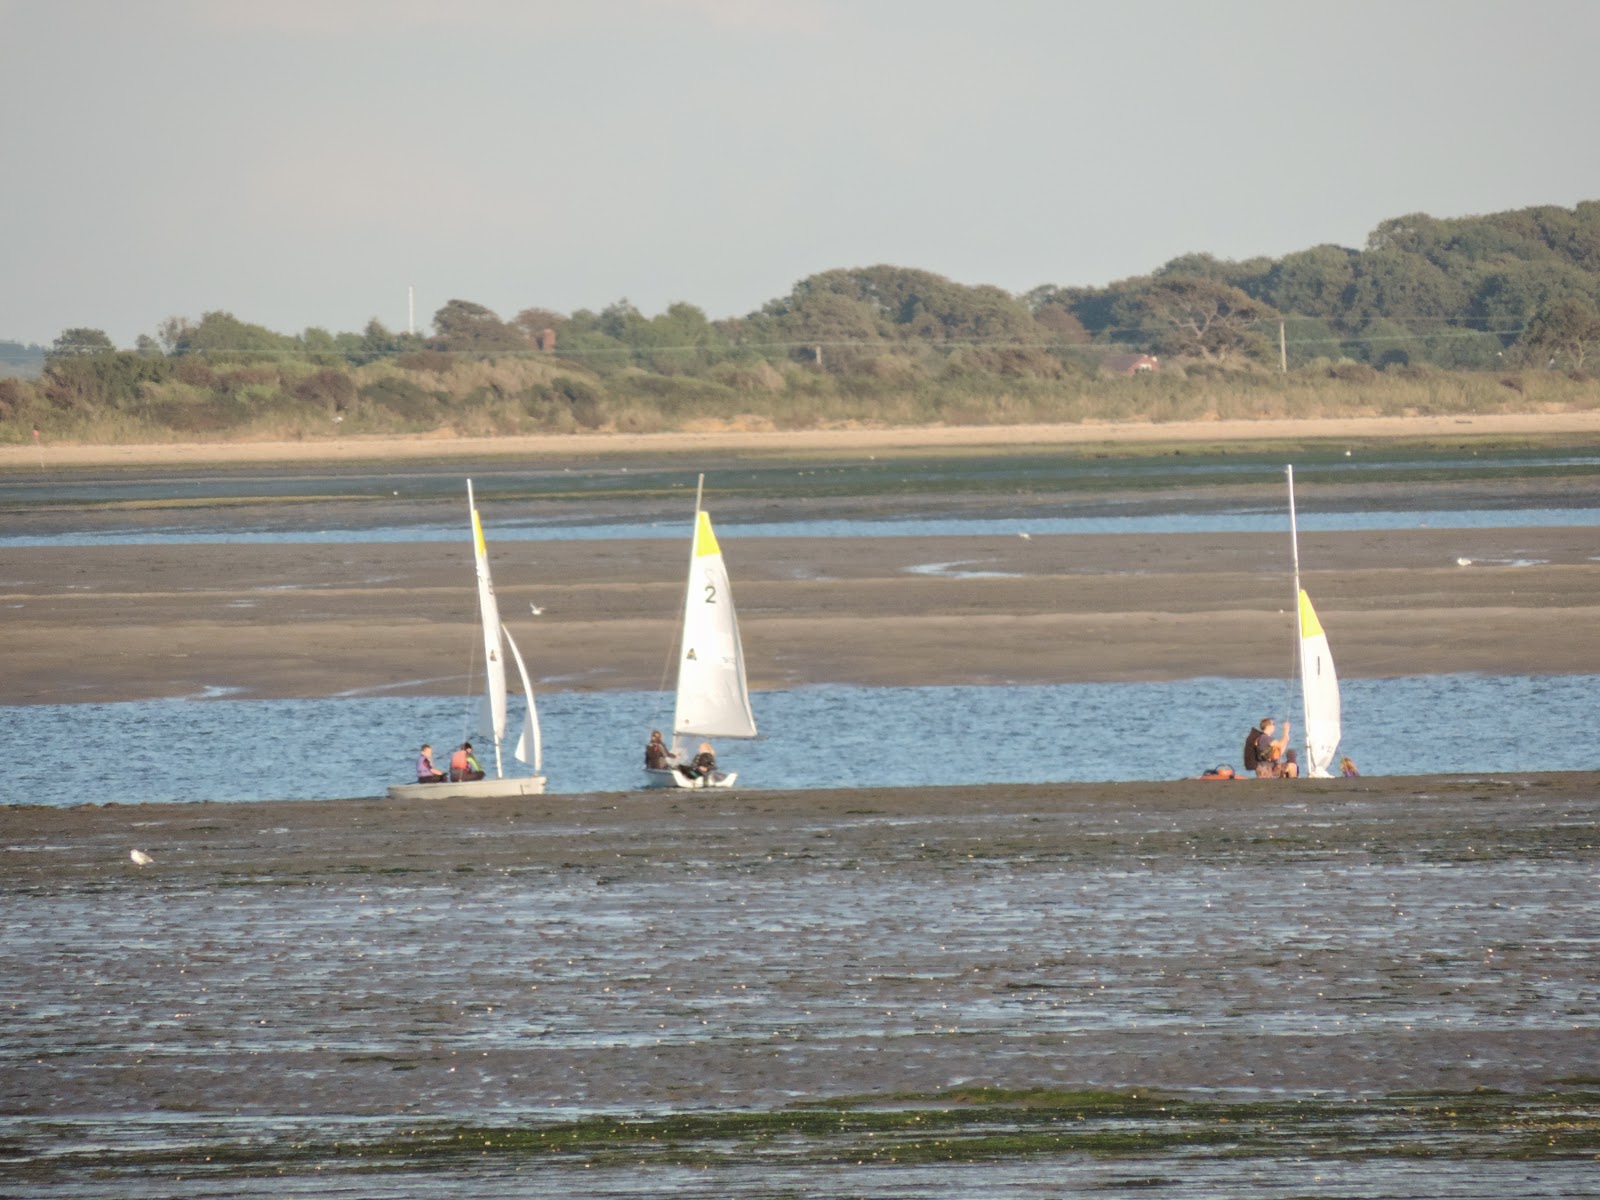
x=302, y=162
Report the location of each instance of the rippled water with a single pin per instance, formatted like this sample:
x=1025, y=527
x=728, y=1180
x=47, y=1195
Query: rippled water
x=218, y=749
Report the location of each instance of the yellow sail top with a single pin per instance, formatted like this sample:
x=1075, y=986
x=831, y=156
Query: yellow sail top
x=1309, y=625
x=477, y=536
x=705, y=542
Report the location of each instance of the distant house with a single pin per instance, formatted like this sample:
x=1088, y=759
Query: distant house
x=1129, y=364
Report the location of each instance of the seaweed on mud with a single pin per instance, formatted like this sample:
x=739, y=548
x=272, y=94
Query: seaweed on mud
x=961, y=1125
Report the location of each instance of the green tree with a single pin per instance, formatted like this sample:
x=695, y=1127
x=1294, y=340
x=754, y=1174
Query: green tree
x=1566, y=329
x=1249, y=276
x=1402, y=286
x=1312, y=283
x=80, y=343
x=223, y=335
x=1201, y=319
x=466, y=327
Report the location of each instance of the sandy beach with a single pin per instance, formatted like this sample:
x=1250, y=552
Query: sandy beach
x=854, y=440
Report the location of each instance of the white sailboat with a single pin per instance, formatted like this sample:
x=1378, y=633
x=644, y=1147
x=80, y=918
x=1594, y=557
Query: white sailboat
x=713, y=697
x=1319, y=683
x=529, y=748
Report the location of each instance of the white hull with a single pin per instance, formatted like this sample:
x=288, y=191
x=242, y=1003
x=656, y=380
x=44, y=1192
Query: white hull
x=671, y=777
x=469, y=789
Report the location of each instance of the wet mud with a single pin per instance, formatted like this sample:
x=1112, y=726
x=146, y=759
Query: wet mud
x=303, y=974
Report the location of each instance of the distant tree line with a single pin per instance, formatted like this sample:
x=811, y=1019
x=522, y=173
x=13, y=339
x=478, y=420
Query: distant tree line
x=1509, y=291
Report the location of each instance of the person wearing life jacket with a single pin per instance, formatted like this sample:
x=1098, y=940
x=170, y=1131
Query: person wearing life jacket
x=463, y=767
x=1262, y=750
x=426, y=771
x=656, y=755
x=703, y=765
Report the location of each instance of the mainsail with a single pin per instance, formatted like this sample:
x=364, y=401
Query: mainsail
x=713, y=697
x=493, y=654
x=1319, y=688
x=495, y=638
x=1319, y=684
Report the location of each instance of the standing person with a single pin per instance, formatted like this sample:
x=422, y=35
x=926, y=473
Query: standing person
x=656, y=755
x=426, y=771
x=463, y=767
x=1262, y=750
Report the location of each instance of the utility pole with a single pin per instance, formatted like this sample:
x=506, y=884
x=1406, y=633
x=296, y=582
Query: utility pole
x=1283, y=350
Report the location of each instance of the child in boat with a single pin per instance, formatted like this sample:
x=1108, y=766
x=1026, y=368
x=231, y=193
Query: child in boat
x=1347, y=768
x=426, y=771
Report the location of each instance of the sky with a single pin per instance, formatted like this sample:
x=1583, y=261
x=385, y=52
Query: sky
x=318, y=163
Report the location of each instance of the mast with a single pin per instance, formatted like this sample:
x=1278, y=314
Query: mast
x=688, y=585
x=1299, y=629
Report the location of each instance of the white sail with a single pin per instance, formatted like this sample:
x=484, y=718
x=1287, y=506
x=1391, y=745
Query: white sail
x=713, y=697
x=496, y=639
x=493, y=653
x=1319, y=688
x=1319, y=684
x=530, y=749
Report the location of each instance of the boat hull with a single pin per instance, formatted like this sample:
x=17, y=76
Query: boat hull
x=671, y=777
x=469, y=789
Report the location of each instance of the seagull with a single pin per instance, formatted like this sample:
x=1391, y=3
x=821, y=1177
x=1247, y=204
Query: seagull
x=140, y=857
x=1024, y=536
x=536, y=610
x=1463, y=562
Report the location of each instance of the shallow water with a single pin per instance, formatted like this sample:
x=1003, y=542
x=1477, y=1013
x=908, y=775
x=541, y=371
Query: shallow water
x=834, y=736
x=1064, y=491
x=1266, y=521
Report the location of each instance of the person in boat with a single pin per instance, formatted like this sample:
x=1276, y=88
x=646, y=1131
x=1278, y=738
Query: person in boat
x=463, y=767
x=656, y=755
x=1220, y=771
x=703, y=765
x=1347, y=767
x=1289, y=768
x=426, y=771
x=1259, y=746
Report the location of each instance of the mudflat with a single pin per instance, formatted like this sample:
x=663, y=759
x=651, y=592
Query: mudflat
x=1341, y=937
x=271, y=620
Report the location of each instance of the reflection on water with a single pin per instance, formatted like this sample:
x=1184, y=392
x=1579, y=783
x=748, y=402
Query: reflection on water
x=219, y=749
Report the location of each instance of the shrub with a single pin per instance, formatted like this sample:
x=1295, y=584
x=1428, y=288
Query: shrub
x=436, y=361
x=402, y=398
x=333, y=389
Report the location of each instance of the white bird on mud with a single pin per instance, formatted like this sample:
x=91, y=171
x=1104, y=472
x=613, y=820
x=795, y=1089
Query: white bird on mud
x=1025, y=536
x=1463, y=562
x=140, y=857
x=536, y=610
